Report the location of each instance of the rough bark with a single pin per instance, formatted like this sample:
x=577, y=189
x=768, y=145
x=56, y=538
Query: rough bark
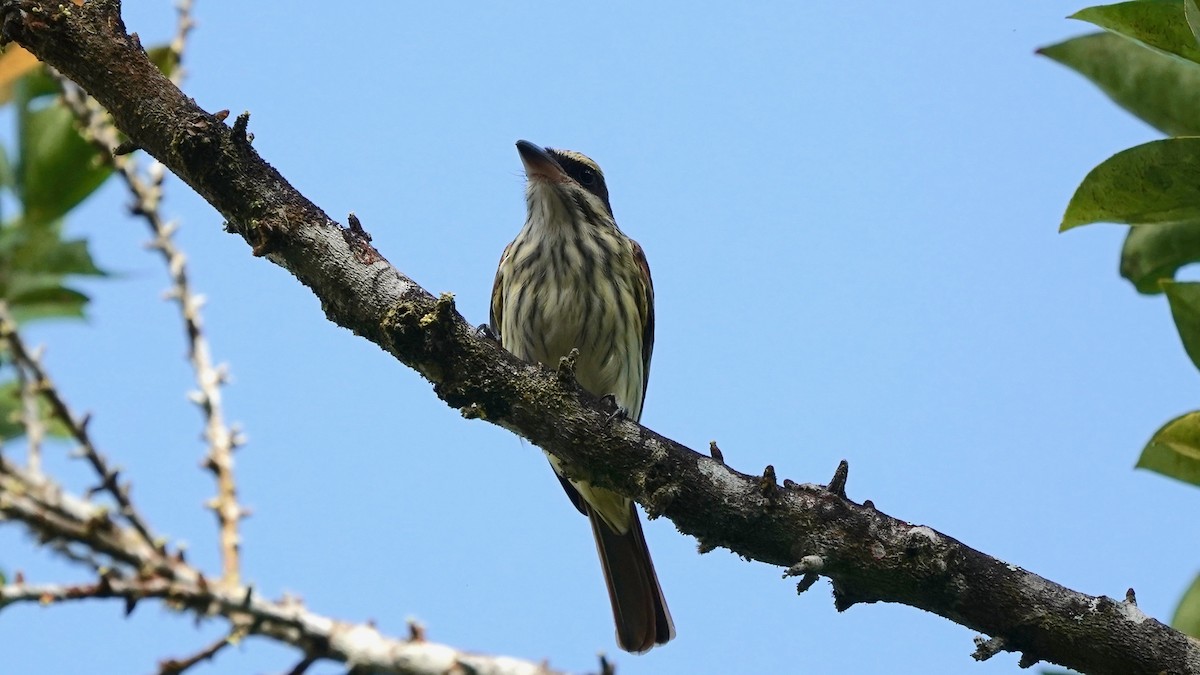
x=808, y=529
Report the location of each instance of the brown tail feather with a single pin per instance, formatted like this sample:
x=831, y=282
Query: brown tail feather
x=639, y=609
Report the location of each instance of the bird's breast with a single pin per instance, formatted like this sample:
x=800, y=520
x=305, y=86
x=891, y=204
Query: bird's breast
x=574, y=296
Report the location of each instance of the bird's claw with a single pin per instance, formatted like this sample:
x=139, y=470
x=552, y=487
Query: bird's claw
x=485, y=331
x=619, y=411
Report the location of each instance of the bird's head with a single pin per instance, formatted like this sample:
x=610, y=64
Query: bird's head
x=568, y=177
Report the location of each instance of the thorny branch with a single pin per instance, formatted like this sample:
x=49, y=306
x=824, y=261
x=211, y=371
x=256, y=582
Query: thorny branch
x=140, y=572
x=138, y=567
x=146, y=189
x=31, y=418
x=110, y=480
x=178, y=666
x=868, y=555
x=183, y=27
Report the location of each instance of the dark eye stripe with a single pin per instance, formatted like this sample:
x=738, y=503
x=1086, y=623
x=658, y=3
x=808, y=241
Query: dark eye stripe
x=577, y=169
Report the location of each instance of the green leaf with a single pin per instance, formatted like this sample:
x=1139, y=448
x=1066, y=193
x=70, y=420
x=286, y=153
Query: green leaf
x=39, y=248
x=1151, y=254
x=36, y=84
x=1161, y=90
x=163, y=58
x=66, y=257
x=1161, y=25
x=6, y=170
x=1174, y=450
x=1192, y=13
x=57, y=167
x=48, y=303
x=12, y=410
x=34, y=261
x=1185, y=308
x=1156, y=182
x=1187, y=614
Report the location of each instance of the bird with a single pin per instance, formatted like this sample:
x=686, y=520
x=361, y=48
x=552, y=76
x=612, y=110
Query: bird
x=571, y=279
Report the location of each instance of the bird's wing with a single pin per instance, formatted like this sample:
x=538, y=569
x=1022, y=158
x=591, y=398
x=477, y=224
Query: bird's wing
x=496, y=315
x=646, y=309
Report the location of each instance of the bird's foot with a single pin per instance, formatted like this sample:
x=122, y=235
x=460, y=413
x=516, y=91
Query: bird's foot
x=619, y=412
x=485, y=331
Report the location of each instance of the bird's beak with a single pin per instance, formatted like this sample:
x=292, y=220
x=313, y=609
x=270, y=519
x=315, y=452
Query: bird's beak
x=539, y=164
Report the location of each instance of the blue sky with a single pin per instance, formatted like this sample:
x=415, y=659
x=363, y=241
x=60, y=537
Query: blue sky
x=851, y=218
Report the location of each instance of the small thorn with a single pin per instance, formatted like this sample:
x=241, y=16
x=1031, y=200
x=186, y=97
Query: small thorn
x=715, y=452
x=239, y=128
x=125, y=148
x=986, y=648
x=1131, y=597
x=837, y=485
x=806, y=582
x=767, y=484
x=416, y=631
x=356, y=226
x=566, y=366
x=220, y=115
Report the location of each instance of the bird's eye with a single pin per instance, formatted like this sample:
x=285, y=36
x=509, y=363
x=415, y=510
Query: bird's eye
x=587, y=178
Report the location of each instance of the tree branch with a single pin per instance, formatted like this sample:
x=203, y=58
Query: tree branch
x=180, y=666
x=143, y=573
x=869, y=556
x=77, y=427
x=31, y=414
x=146, y=189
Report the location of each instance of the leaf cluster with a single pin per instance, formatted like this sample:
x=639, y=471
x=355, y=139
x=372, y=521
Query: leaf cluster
x=1147, y=60
x=50, y=170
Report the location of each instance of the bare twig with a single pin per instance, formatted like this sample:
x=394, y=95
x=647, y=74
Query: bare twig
x=146, y=190
x=179, y=666
x=183, y=27
x=303, y=665
x=78, y=553
x=76, y=426
x=59, y=518
x=55, y=515
x=31, y=418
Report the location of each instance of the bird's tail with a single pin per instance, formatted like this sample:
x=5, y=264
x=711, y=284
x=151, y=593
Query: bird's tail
x=639, y=609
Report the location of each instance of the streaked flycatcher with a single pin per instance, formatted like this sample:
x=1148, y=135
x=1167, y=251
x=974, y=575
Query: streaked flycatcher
x=572, y=280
